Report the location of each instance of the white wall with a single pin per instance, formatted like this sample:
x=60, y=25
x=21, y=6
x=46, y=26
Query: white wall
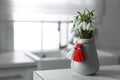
x=109, y=30
x=6, y=38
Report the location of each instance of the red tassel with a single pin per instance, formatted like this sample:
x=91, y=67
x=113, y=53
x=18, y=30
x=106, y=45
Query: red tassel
x=79, y=54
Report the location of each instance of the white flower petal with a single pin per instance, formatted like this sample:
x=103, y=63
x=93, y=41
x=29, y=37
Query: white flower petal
x=84, y=26
x=81, y=24
x=92, y=27
x=88, y=26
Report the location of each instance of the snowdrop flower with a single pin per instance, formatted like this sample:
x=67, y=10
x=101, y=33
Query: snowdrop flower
x=83, y=25
x=76, y=23
x=92, y=27
x=88, y=26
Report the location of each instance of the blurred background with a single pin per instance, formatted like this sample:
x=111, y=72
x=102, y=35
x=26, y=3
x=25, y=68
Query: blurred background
x=38, y=25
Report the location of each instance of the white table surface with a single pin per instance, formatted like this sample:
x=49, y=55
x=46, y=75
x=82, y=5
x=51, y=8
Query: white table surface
x=105, y=73
x=15, y=59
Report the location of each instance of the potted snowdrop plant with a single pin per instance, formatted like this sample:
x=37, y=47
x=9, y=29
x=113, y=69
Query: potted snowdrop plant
x=84, y=58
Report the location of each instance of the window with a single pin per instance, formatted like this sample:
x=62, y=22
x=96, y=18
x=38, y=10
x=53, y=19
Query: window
x=35, y=36
x=41, y=36
x=37, y=23
x=50, y=36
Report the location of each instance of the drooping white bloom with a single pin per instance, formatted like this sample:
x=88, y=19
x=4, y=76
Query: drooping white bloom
x=75, y=28
x=88, y=26
x=83, y=25
x=76, y=23
x=92, y=28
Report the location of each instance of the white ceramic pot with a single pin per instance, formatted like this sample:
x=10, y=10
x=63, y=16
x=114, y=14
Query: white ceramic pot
x=91, y=65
